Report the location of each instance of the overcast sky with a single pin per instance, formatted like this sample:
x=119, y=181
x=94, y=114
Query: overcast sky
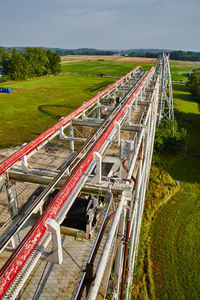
x=103, y=24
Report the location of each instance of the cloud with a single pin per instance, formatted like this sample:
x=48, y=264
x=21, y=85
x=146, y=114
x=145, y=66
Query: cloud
x=102, y=24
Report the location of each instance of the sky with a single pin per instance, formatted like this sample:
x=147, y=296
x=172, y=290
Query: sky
x=101, y=24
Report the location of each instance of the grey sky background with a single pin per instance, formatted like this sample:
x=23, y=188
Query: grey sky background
x=102, y=24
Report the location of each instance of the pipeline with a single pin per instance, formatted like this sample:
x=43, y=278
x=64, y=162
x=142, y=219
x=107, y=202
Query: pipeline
x=89, y=275
x=125, y=258
x=132, y=177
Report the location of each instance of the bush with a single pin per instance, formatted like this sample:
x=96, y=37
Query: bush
x=4, y=78
x=169, y=137
x=193, y=84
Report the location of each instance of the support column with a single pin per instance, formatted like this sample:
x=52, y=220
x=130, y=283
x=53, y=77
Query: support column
x=12, y=202
x=55, y=256
x=98, y=160
x=119, y=257
x=71, y=134
x=11, y=198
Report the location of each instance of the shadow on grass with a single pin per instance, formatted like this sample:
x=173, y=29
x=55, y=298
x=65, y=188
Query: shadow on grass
x=186, y=165
x=181, y=89
x=54, y=110
x=99, y=86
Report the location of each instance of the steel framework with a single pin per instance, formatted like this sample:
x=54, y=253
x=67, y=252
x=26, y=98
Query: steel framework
x=98, y=157
x=166, y=110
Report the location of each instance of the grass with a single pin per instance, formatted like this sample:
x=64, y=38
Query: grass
x=168, y=259
x=106, y=68
x=180, y=72
x=174, y=234
x=36, y=104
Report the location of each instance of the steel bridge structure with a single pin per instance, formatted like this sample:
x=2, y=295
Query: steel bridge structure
x=72, y=200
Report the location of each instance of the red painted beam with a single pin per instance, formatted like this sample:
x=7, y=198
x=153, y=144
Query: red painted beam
x=16, y=261
x=44, y=136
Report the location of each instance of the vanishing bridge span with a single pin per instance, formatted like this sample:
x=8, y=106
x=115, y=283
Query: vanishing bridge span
x=72, y=199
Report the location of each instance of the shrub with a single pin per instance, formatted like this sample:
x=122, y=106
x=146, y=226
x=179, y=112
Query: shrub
x=4, y=78
x=193, y=84
x=169, y=137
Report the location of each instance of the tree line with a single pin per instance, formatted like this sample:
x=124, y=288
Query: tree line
x=83, y=51
x=33, y=62
x=175, y=55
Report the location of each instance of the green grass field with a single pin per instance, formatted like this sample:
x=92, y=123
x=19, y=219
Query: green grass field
x=169, y=251
x=106, y=68
x=175, y=231
x=36, y=104
x=180, y=73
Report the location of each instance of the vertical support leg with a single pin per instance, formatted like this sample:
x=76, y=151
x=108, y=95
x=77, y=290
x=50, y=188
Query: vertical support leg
x=119, y=257
x=56, y=255
x=61, y=133
x=11, y=199
x=71, y=134
x=98, y=109
x=136, y=103
x=141, y=93
x=98, y=159
x=13, y=207
x=83, y=115
x=129, y=114
x=117, y=124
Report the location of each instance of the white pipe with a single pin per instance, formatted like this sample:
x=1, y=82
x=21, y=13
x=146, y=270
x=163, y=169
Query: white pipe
x=119, y=256
x=106, y=252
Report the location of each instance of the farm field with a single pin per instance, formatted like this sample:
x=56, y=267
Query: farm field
x=105, y=68
x=138, y=60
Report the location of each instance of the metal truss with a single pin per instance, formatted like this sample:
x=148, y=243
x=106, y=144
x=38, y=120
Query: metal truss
x=99, y=157
x=166, y=110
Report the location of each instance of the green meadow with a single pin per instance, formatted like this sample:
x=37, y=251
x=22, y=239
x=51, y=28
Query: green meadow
x=168, y=259
x=175, y=239
x=36, y=104
x=100, y=67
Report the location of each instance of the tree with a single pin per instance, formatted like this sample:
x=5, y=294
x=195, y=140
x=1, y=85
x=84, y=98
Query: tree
x=18, y=67
x=54, y=62
x=169, y=137
x=193, y=84
x=38, y=61
x=5, y=61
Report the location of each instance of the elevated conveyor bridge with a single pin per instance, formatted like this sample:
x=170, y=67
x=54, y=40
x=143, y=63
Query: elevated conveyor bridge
x=72, y=199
